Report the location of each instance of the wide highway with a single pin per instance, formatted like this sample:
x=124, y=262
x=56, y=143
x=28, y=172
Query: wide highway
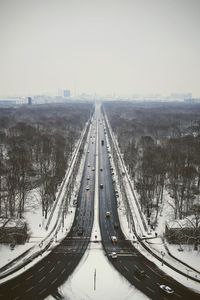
x=47, y=275
x=138, y=270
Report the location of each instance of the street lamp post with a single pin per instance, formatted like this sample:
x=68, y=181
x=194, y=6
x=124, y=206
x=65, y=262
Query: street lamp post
x=163, y=254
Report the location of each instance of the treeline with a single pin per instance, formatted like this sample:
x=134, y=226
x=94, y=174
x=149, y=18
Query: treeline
x=36, y=144
x=160, y=143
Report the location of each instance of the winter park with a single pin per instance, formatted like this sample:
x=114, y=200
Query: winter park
x=99, y=150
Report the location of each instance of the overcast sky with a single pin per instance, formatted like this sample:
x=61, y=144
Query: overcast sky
x=103, y=46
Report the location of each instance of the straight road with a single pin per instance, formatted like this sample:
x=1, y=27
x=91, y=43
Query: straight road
x=47, y=275
x=138, y=270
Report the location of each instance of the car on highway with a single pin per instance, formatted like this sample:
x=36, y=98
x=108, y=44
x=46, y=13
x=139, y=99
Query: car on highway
x=113, y=239
x=140, y=273
x=101, y=186
x=88, y=165
x=113, y=254
x=87, y=188
x=93, y=168
x=88, y=178
x=107, y=214
x=101, y=169
x=80, y=230
x=116, y=225
x=75, y=202
x=166, y=289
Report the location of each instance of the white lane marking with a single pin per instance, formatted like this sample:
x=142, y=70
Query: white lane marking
x=54, y=280
x=14, y=287
x=178, y=295
x=52, y=269
x=152, y=269
x=148, y=288
x=42, y=291
x=41, y=269
x=29, y=277
x=29, y=289
x=126, y=269
x=136, y=278
x=43, y=278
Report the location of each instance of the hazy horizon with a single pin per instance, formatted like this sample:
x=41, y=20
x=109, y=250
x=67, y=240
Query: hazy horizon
x=120, y=47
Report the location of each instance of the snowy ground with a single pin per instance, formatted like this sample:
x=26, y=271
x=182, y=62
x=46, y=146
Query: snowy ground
x=156, y=244
x=189, y=256
x=109, y=283
x=37, y=223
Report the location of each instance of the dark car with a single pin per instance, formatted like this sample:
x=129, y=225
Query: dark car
x=140, y=273
x=80, y=231
x=116, y=225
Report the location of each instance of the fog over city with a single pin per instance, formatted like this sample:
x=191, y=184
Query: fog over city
x=118, y=47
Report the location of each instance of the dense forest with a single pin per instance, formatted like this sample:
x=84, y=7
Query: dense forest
x=160, y=143
x=36, y=144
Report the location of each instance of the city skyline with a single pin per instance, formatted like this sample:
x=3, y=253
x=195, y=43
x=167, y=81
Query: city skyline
x=103, y=47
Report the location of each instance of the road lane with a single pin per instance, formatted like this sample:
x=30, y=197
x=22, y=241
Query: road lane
x=129, y=261
x=47, y=275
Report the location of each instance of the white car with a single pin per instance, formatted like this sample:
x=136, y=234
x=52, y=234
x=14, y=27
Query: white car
x=114, y=255
x=107, y=214
x=166, y=289
x=87, y=188
x=114, y=239
x=75, y=202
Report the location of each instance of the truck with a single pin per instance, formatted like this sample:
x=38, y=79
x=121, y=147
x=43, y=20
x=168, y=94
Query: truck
x=102, y=142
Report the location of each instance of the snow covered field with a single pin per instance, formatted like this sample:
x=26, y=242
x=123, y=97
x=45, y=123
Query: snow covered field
x=109, y=283
x=37, y=223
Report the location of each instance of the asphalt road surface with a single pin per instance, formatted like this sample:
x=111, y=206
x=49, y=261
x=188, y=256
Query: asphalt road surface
x=47, y=275
x=138, y=270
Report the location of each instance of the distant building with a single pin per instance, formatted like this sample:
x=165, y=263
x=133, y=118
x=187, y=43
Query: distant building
x=29, y=101
x=66, y=93
x=192, y=100
x=181, y=96
x=7, y=102
x=13, y=231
